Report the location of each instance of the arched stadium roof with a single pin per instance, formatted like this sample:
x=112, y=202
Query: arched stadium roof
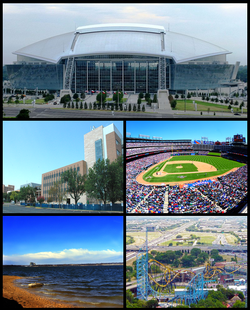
x=121, y=39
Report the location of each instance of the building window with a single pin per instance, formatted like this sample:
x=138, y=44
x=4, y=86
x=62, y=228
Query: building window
x=98, y=149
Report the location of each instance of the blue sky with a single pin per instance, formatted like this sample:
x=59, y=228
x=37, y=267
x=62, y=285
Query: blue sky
x=194, y=130
x=62, y=239
x=223, y=24
x=31, y=148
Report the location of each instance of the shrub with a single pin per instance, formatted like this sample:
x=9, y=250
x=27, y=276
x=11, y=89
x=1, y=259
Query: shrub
x=23, y=114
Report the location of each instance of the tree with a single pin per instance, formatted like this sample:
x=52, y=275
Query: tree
x=23, y=114
x=147, y=96
x=65, y=99
x=115, y=180
x=239, y=304
x=40, y=199
x=27, y=193
x=115, y=96
x=75, y=183
x=195, y=252
x=105, y=180
x=101, y=97
x=75, y=96
x=14, y=196
x=56, y=192
x=96, y=184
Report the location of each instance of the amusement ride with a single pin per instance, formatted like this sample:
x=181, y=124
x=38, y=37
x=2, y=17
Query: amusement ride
x=155, y=280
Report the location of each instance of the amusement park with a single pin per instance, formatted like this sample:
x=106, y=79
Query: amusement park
x=188, y=286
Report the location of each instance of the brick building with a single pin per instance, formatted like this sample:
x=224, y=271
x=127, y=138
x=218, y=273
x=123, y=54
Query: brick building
x=99, y=143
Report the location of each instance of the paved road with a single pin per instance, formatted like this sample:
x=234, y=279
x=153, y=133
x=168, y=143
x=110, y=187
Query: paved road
x=58, y=112
x=8, y=208
x=48, y=112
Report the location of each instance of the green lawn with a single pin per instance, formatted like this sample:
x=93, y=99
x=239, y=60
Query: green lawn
x=221, y=164
x=203, y=106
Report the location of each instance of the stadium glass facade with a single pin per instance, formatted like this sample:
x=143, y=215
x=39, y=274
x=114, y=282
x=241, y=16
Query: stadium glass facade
x=126, y=73
x=129, y=57
x=43, y=76
x=137, y=74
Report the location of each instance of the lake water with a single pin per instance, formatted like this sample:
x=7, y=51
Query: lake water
x=82, y=286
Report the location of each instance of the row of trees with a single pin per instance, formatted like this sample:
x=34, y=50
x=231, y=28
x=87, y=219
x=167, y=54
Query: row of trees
x=219, y=299
x=147, y=97
x=104, y=181
x=25, y=193
x=103, y=106
x=215, y=299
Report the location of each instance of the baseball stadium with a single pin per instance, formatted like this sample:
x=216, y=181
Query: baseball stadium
x=185, y=176
x=121, y=56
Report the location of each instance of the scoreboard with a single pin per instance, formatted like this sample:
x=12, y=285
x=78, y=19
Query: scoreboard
x=239, y=138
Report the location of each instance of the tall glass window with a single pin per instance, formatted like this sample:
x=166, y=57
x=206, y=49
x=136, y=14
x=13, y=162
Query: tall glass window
x=98, y=149
x=129, y=75
x=117, y=75
x=141, y=77
x=152, y=76
x=105, y=73
x=93, y=68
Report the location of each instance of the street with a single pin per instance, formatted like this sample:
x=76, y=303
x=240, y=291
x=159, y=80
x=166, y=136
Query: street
x=59, y=112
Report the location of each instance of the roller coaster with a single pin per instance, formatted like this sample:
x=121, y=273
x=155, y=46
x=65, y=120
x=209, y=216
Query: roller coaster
x=156, y=280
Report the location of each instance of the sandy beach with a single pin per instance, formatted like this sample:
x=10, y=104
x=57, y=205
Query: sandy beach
x=26, y=299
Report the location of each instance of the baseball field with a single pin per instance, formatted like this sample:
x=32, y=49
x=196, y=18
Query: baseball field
x=188, y=168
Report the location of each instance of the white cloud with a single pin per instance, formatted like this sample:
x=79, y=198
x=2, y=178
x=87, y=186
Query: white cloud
x=65, y=256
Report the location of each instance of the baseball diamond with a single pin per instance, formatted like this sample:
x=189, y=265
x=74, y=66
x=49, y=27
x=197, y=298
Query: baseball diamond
x=185, y=176
x=194, y=167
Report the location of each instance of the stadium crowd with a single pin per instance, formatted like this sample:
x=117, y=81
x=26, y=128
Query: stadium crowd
x=219, y=196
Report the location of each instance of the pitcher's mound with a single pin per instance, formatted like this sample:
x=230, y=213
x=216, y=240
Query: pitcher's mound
x=179, y=167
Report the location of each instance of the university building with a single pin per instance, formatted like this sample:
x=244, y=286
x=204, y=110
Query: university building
x=100, y=143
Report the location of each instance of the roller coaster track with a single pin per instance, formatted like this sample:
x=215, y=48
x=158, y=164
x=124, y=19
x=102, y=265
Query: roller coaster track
x=157, y=281
x=212, y=271
x=168, y=273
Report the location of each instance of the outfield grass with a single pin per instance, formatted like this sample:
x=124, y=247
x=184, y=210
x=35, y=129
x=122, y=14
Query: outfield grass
x=213, y=154
x=221, y=164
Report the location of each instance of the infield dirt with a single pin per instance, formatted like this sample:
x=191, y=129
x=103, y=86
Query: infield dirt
x=202, y=167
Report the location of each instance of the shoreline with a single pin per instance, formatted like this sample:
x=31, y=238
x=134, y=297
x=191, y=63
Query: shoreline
x=27, y=299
